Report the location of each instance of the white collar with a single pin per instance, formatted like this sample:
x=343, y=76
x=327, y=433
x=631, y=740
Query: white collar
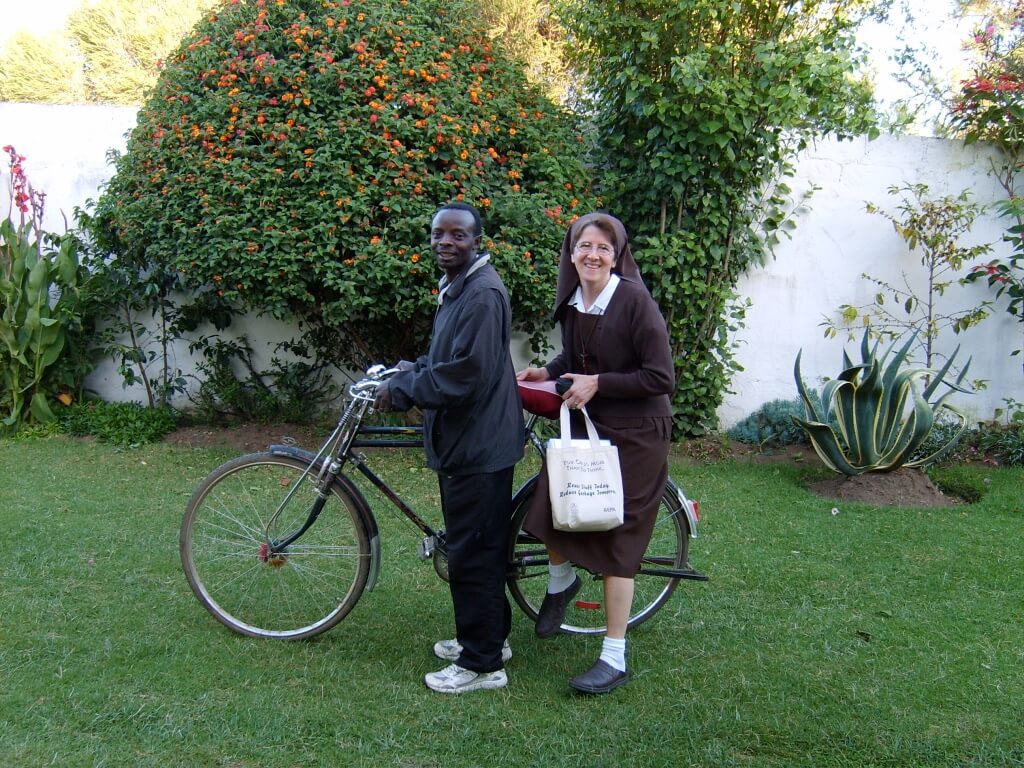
x=600, y=305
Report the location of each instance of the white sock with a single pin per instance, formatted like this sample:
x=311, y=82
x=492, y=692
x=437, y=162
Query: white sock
x=562, y=577
x=613, y=653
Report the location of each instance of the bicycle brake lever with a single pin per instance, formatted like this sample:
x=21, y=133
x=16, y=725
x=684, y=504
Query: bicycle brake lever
x=380, y=372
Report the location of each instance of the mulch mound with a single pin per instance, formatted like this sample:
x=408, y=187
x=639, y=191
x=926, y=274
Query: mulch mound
x=902, y=488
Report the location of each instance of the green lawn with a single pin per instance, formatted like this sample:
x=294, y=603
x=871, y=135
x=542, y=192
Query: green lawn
x=871, y=637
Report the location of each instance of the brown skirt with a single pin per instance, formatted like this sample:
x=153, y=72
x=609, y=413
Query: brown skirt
x=643, y=445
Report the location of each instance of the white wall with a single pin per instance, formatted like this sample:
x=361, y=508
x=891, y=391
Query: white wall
x=836, y=241
x=819, y=269
x=65, y=150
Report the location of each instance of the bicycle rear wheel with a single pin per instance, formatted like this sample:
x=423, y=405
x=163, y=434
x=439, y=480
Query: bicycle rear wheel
x=229, y=549
x=528, y=576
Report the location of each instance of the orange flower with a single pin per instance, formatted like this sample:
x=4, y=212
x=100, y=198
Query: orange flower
x=414, y=258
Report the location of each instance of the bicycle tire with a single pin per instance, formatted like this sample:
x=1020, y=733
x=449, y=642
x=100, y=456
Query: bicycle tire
x=230, y=521
x=528, y=575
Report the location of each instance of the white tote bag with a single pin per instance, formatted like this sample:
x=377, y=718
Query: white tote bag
x=584, y=480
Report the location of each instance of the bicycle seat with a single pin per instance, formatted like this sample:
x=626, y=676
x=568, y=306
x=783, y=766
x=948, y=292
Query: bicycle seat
x=540, y=398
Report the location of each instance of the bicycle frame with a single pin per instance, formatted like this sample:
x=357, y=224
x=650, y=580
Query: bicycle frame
x=243, y=546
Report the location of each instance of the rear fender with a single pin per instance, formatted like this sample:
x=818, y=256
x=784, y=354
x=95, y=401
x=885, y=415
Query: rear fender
x=686, y=504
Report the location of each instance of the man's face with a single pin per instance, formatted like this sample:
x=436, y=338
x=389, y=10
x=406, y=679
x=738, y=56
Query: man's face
x=452, y=239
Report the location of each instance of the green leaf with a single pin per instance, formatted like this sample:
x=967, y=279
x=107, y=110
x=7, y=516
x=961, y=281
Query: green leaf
x=40, y=409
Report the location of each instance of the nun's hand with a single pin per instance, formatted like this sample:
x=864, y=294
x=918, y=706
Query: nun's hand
x=582, y=391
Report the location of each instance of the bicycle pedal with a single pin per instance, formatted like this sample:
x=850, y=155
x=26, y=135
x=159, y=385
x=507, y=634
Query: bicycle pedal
x=427, y=547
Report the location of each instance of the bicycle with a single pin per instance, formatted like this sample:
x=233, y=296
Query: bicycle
x=282, y=543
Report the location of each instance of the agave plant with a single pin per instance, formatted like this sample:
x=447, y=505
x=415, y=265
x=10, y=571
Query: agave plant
x=872, y=417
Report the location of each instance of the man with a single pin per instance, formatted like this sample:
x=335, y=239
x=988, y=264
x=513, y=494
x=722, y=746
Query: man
x=474, y=434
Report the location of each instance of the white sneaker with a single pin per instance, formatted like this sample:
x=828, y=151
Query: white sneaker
x=450, y=650
x=455, y=679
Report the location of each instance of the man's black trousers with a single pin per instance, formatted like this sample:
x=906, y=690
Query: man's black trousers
x=478, y=521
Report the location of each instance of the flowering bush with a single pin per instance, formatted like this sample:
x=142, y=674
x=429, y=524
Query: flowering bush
x=293, y=152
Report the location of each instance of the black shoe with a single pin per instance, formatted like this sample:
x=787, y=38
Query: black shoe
x=552, y=609
x=600, y=678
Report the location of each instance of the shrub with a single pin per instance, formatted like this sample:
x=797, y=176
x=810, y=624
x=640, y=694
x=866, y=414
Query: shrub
x=771, y=424
x=291, y=155
x=1005, y=444
x=947, y=442
x=122, y=424
x=233, y=387
x=988, y=108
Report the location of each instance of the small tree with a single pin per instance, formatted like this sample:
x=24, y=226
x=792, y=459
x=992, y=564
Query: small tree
x=291, y=156
x=933, y=227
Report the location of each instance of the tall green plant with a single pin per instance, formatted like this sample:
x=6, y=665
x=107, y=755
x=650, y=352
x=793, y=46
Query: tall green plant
x=291, y=155
x=698, y=109
x=40, y=280
x=871, y=417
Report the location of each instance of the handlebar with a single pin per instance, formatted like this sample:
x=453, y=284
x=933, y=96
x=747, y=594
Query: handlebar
x=366, y=388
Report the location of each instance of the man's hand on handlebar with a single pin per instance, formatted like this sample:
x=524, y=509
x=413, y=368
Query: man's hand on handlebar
x=383, y=399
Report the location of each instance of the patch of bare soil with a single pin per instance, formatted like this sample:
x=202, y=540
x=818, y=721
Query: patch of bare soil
x=902, y=488
x=247, y=437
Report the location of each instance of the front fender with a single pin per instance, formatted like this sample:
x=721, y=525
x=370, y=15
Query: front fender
x=349, y=489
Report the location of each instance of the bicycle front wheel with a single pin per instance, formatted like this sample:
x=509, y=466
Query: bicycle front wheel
x=668, y=549
x=231, y=553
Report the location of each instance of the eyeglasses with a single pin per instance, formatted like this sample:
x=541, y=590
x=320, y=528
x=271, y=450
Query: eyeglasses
x=602, y=248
